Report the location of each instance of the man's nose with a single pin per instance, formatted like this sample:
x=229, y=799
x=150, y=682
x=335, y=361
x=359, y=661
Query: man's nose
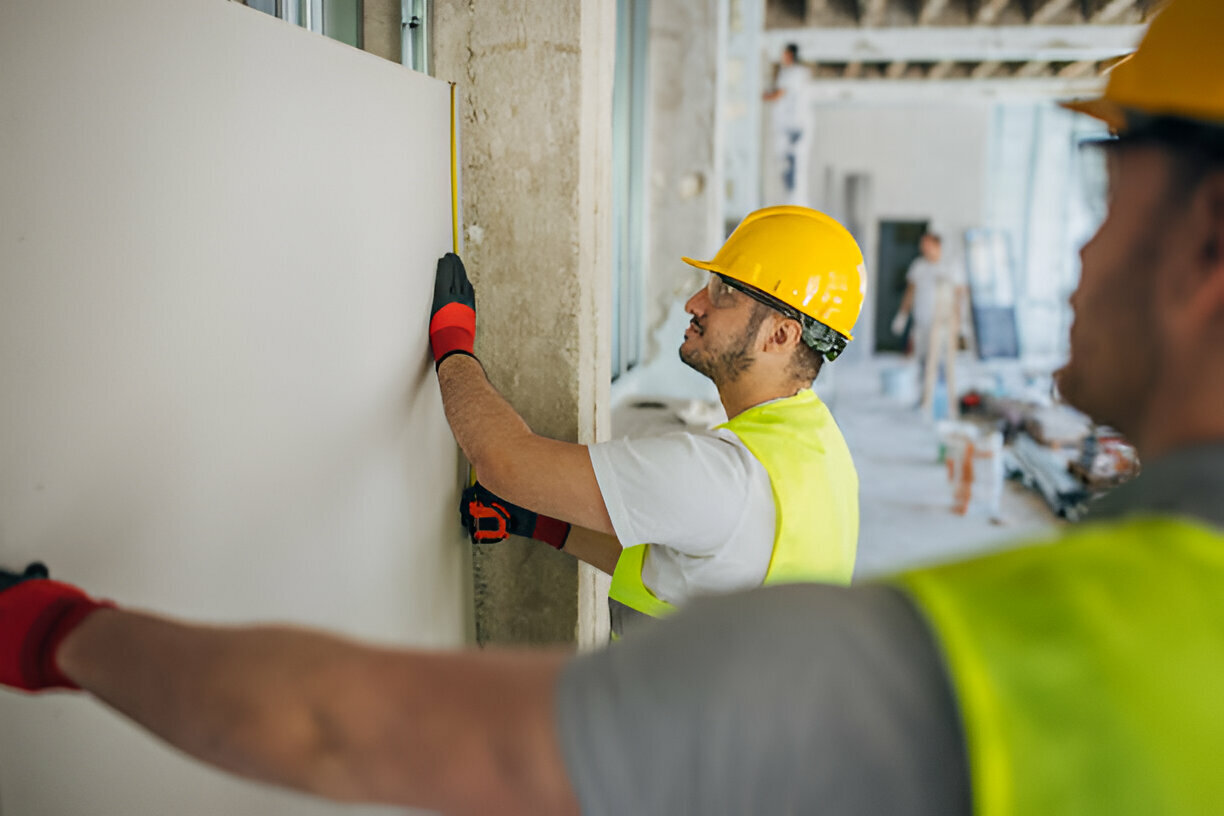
x=698, y=303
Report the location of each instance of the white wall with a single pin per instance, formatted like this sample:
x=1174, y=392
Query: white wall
x=924, y=161
x=217, y=242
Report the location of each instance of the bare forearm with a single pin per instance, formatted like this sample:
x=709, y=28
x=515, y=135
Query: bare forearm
x=907, y=302
x=237, y=699
x=544, y=475
x=480, y=418
x=316, y=713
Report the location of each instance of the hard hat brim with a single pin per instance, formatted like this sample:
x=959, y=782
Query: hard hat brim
x=1109, y=112
x=706, y=265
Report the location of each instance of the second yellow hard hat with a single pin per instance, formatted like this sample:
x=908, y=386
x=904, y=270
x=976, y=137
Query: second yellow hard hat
x=1177, y=72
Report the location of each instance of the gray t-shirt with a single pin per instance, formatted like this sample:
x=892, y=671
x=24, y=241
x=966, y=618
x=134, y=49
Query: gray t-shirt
x=798, y=699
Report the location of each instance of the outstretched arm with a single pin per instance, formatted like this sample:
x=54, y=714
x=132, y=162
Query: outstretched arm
x=543, y=475
x=460, y=732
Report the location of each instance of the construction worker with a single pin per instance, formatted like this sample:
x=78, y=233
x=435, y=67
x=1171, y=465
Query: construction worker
x=769, y=496
x=791, y=122
x=1075, y=678
x=935, y=298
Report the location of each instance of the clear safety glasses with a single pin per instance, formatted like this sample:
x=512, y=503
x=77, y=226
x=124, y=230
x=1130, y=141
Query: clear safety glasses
x=723, y=291
x=720, y=292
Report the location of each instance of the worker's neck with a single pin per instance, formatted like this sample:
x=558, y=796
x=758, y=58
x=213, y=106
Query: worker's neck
x=751, y=389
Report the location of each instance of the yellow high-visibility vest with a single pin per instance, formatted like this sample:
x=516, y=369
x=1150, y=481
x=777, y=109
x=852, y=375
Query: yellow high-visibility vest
x=815, y=492
x=1086, y=671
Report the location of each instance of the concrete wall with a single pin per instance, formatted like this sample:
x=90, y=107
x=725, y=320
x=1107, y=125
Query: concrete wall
x=535, y=101
x=380, y=28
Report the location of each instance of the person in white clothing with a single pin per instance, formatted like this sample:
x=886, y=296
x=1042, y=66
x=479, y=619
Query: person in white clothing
x=934, y=298
x=781, y=299
x=790, y=122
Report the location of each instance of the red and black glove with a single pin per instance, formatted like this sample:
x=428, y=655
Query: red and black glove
x=452, y=323
x=489, y=519
x=36, y=614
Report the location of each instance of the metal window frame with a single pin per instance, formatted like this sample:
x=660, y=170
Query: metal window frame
x=416, y=26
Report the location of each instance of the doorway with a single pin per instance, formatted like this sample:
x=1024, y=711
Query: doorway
x=897, y=249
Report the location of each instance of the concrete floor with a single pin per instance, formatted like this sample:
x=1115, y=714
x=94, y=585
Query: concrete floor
x=905, y=498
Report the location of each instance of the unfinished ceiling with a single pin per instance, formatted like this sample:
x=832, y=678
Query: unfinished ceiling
x=957, y=39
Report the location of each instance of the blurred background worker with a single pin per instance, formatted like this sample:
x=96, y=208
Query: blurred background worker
x=790, y=122
x=769, y=496
x=1069, y=679
x=934, y=298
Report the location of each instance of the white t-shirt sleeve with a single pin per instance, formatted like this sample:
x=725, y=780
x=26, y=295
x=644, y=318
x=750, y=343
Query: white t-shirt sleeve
x=685, y=491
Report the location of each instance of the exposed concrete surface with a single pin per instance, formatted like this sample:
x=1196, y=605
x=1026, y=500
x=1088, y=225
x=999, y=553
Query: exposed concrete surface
x=535, y=101
x=380, y=32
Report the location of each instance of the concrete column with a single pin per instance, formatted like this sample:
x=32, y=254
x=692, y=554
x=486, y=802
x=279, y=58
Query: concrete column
x=380, y=28
x=535, y=105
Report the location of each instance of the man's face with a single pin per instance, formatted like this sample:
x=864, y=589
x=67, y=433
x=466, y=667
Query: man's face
x=1115, y=339
x=931, y=249
x=721, y=338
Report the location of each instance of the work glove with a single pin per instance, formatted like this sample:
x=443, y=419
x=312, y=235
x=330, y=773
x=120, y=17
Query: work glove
x=36, y=614
x=898, y=323
x=489, y=519
x=452, y=323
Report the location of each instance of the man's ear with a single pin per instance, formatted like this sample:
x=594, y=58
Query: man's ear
x=785, y=335
x=1208, y=282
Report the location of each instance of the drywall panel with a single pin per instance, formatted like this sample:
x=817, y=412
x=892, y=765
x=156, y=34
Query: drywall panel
x=217, y=244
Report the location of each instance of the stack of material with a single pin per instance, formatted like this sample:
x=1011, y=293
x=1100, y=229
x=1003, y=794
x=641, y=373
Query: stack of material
x=1058, y=426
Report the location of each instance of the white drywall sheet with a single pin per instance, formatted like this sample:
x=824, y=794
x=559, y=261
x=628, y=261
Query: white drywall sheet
x=218, y=235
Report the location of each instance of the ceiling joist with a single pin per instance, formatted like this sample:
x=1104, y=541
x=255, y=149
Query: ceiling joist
x=956, y=43
x=1112, y=11
x=989, y=10
x=1048, y=10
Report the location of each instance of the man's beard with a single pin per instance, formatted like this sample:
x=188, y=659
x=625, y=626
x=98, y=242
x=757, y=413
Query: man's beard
x=728, y=364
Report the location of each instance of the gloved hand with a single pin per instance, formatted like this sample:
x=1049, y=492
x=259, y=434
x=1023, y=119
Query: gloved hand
x=452, y=323
x=36, y=614
x=489, y=519
x=898, y=324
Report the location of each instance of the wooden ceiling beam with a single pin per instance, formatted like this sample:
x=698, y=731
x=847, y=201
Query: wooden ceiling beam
x=1078, y=70
x=989, y=10
x=985, y=69
x=871, y=13
x=1031, y=70
x=1048, y=10
x=1112, y=11
x=930, y=11
x=941, y=69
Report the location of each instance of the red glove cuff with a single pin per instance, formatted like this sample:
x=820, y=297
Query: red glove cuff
x=37, y=616
x=551, y=531
x=451, y=329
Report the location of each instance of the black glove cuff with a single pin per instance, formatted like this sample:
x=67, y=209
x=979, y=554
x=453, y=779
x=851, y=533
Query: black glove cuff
x=452, y=353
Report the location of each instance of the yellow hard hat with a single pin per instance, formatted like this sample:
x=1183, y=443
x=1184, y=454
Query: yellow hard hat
x=801, y=259
x=1177, y=72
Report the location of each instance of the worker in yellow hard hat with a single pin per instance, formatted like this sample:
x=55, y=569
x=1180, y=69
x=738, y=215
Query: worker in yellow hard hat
x=769, y=496
x=1073, y=678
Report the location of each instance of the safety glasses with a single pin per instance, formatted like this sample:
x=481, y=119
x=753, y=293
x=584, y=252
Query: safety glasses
x=723, y=292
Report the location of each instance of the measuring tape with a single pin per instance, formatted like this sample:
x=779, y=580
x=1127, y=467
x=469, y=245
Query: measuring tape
x=454, y=161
